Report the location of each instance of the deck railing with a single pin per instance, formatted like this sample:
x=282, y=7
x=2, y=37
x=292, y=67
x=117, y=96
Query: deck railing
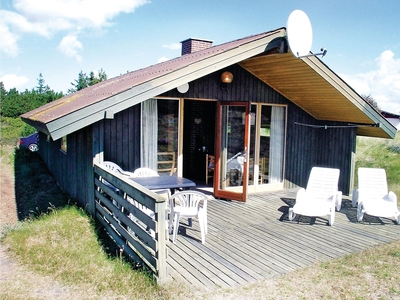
x=134, y=216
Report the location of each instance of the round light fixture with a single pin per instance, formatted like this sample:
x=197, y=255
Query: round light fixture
x=226, y=77
x=183, y=88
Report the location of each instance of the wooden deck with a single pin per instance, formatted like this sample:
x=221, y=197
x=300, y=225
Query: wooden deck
x=255, y=240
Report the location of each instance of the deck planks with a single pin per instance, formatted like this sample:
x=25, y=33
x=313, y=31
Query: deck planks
x=247, y=242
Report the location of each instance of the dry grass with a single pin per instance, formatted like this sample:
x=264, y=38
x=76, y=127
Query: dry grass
x=63, y=245
x=381, y=153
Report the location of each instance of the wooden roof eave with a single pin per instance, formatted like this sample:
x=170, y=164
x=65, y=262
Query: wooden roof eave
x=380, y=122
x=316, y=89
x=97, y=111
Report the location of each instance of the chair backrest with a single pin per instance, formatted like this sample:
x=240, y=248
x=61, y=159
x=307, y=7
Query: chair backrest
x=372, y=182
x=210, y=161
x=189, y=199
x=112, y=166
x=323, y=182
x=166, y=162
x=144, y=172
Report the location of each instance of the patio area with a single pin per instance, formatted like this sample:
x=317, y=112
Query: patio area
x=255, y=240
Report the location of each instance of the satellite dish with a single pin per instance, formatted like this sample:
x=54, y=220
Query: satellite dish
x=183, y=88
x=299, y=33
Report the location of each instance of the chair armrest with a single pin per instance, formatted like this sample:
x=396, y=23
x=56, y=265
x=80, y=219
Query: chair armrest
x=354, y=198
x=338, y=200
x=360, y=196
x=301, y=195
x=126, y=173
x=392, y=197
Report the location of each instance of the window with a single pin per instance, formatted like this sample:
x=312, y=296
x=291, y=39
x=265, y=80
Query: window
x=267, y=144
x=159, y=140
x=64, y=144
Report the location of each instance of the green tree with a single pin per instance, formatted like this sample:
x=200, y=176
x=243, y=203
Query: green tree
x=14, y=103
x=80, y=83
x=3, y=91
x=46, y=94
x=42, y=88
x=84, y=80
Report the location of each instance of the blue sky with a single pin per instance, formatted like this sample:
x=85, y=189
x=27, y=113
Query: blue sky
x=59, y=38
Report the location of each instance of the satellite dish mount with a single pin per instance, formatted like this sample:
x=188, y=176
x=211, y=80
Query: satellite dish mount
x=299, y=35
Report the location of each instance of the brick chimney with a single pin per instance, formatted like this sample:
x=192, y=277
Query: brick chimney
x=192, y=45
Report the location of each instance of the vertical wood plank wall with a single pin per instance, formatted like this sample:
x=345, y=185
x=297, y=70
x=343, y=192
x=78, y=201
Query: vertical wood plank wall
x=122, y=138
x=305, y=146
x=72, y=170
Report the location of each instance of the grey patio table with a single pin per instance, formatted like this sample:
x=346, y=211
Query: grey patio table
x=164, y=182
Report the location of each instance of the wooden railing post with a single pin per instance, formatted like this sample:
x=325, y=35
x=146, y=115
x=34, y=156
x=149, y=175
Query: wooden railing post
x=162, y=238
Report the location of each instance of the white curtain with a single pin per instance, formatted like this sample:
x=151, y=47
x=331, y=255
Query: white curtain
x=149, y=138
x=276, y=144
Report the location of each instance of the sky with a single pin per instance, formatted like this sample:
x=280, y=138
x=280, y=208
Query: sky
x=61, y=38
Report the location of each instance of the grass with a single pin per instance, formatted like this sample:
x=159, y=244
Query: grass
x=56, y=238
x=12, y=129
x=36, y=191
x=381, y=153
x=65, y=245
x=59, y=243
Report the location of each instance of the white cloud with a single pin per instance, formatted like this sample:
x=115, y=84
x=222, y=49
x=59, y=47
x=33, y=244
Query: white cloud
x=173, y=46
x=69, y=46
x=8, y=41
x=382, y=83
x=47, y=17
x=162, y=59
x=13, y=81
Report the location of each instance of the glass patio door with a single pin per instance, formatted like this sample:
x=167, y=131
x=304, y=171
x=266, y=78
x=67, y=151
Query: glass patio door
x=231, y=171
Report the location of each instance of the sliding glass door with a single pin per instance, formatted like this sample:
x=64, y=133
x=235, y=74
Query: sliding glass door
x=231, y=172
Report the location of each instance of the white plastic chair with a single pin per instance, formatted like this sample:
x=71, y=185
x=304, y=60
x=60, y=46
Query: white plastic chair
x=373, y=197
x=114, y=167
x=186, y=204
x=147, y=172
x=320, y=197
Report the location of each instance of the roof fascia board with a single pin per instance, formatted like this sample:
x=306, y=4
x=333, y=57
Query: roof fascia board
x=95, y=112
x=350, y=94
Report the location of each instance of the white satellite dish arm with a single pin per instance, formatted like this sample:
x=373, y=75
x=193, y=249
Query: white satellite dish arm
x=323, y=53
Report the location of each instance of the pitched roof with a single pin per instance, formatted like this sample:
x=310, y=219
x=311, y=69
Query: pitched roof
x=87, y=106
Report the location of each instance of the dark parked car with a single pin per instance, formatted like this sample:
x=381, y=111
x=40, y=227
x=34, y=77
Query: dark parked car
x=30, y=141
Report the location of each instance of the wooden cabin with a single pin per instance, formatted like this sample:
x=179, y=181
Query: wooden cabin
x=267, y=121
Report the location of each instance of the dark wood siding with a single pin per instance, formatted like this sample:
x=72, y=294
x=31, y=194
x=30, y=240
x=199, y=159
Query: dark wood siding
x=122, y=138
x=305, y=146
x=118, y=139
x=73, y=169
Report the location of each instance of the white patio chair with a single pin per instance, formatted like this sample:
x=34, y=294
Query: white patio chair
x=147, y=172
x=320, y=197
x=373, y=197
x=114, y=167
x=186, y=204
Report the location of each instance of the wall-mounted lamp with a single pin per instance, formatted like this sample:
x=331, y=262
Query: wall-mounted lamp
x=226, y=79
